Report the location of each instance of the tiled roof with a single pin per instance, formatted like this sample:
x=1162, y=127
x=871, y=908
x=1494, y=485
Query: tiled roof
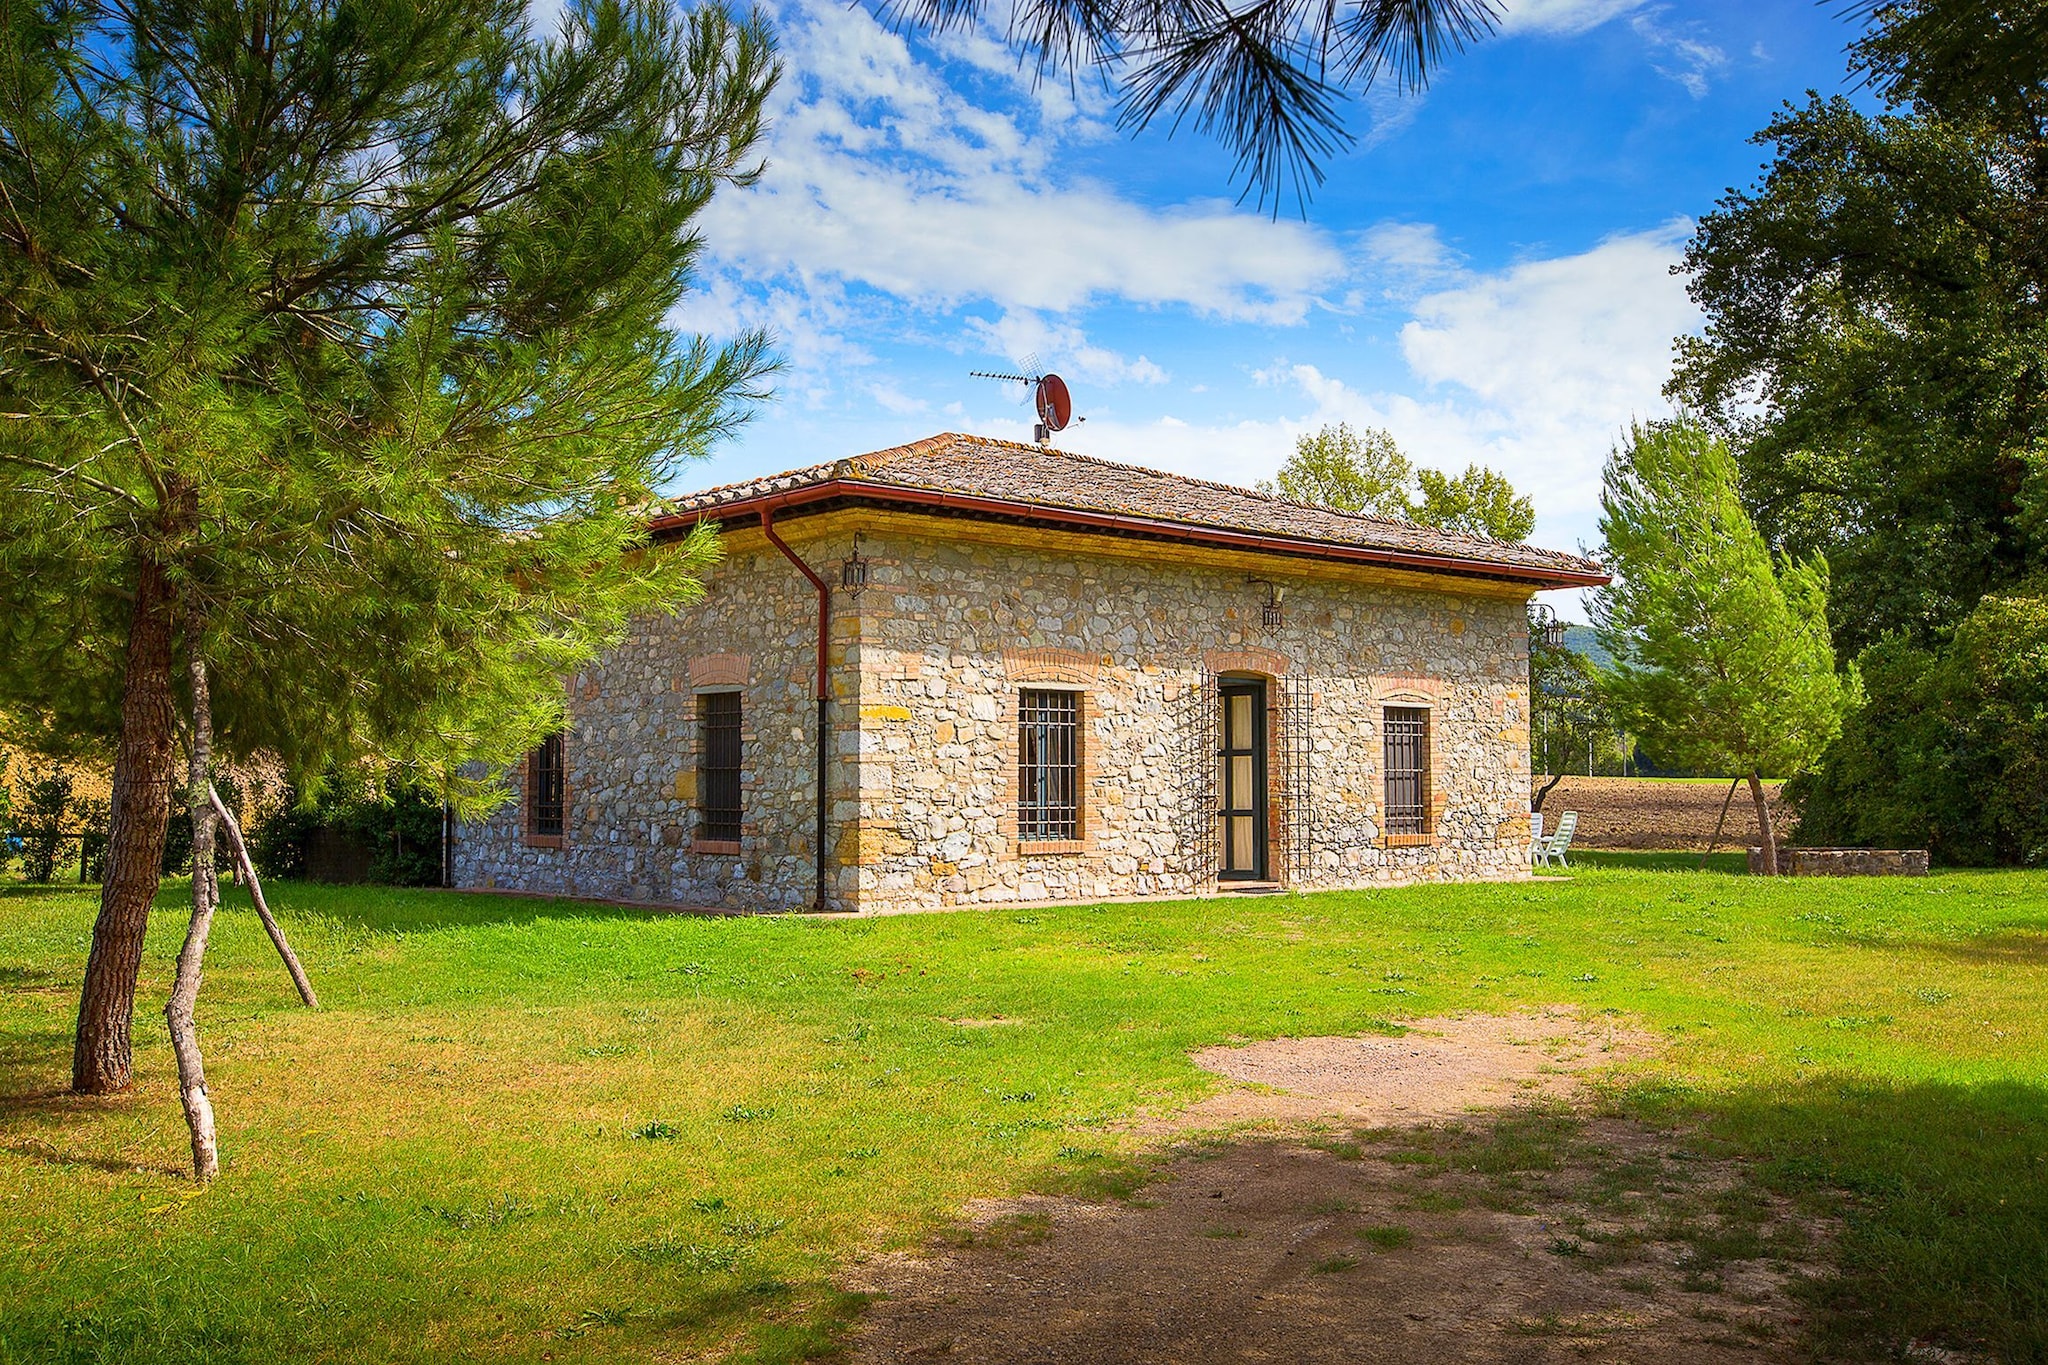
x=1035, y=476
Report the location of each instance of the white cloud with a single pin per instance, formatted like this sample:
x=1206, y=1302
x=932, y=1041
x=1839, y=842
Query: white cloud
x=1535, y=370
x=1692, y=60
x=1021, y=334
x=1562, y=16
x=881, y=175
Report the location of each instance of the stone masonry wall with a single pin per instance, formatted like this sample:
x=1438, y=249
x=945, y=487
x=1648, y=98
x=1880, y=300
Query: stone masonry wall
x=951, y=631
x=926, y=667
x=631, y=753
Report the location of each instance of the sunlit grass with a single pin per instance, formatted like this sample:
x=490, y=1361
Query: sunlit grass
x=523, y=1129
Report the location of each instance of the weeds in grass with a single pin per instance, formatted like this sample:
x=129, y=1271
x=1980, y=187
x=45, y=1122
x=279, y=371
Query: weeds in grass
x=696, y=1257
x=1390, y=1237
x=1335, y=1265
x=751, y=1227
x=492, y=1213
x=656, y=1130
x=746, y=1113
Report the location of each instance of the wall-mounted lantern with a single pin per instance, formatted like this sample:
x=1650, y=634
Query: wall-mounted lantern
x=1272, y=616
x=853, y=571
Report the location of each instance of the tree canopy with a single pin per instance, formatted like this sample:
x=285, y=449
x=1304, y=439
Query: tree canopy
x=1876, y=345
x=1366, y=472
x=1721, y=658
x=333, y=353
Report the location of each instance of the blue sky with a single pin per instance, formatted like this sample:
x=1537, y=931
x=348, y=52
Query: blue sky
x=1487, y=274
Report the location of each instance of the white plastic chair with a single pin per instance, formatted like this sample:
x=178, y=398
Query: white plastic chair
x=1553, y=848
x=1535, y=837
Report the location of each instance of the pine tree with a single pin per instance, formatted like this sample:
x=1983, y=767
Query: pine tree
x=1721, y=657
x=332, y=359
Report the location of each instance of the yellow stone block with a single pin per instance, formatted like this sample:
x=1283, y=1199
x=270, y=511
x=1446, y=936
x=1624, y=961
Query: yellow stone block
x=686, y=785
x=885, y=712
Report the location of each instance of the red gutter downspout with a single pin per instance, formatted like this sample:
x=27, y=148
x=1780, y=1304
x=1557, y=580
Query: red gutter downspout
x=820, y=904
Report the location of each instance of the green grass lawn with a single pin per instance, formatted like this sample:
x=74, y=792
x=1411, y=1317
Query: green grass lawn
x=532, y=1130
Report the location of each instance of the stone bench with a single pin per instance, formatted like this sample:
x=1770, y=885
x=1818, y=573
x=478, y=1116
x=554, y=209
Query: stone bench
x=1844, y=862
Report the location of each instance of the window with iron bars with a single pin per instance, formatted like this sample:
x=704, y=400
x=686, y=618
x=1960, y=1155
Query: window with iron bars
x=1048, y=765
x=718, y=766
x=1407, y=768
x=545, y=800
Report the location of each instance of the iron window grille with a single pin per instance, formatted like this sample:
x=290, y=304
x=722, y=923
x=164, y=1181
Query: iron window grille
x=1048, y=766
x=546, y=803
x=1407, y=732
x=718, y=766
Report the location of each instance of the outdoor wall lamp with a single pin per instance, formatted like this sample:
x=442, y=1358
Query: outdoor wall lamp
x=1271, y=616
x=853, y=570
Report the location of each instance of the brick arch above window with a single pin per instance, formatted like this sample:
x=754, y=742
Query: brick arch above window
x=1051, y=665
x=1407, y=689
x=1270, y=662
x=720, y=670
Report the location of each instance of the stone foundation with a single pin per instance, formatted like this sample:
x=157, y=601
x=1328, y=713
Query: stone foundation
x=1844, y=862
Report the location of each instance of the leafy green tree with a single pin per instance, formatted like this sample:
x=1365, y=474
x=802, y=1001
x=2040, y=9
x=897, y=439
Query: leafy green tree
x=1876, y=345
x=1270, y=81
x=1721, y=658
x=1366, y=472
x=1950, y=751
x=333, y=366
x=1478, y=502
x=1349, y=470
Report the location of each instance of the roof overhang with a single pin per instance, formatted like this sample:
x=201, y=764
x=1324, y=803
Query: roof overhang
x=827, y=493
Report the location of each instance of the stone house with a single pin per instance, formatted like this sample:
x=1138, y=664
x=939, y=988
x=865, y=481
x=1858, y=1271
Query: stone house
x=967, y=671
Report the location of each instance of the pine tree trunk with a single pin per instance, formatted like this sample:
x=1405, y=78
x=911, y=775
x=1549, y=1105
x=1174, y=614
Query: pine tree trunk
x=1763, y=822
x=178, y=1013
x=102, y=1058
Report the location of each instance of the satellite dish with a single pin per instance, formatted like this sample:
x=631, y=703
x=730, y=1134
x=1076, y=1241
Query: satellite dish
x=1048, y=393
x=1055, y=404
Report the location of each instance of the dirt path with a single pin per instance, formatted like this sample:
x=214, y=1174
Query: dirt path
x=1526, y=1234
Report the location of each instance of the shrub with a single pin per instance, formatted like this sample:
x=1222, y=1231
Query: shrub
x=46, y=801
x=1949, y=750
x=397, y=828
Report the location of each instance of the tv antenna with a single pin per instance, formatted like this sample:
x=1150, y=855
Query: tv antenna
x=1048, y=393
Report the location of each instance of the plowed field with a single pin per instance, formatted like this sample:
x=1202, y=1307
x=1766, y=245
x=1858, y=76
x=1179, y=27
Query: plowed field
x=1658, y=812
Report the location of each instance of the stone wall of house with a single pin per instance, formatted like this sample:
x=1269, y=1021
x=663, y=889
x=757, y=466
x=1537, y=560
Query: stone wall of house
x=927, y=664
x=631, y=754
x=952, y=631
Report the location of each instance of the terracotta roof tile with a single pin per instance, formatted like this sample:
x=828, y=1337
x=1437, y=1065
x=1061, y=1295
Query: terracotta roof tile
x=1057, y=480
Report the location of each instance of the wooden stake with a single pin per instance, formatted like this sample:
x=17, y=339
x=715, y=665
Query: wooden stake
x=270, y=925
x=1720, y=824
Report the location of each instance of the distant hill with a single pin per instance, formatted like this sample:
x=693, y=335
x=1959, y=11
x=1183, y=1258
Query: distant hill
x=1581, y=640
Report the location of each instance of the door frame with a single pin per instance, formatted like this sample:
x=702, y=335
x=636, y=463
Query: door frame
x=1260, y=808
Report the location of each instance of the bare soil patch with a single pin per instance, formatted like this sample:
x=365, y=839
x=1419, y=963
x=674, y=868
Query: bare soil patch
x=1658, y=813
x=1410, y=1229
x=1439, y=1069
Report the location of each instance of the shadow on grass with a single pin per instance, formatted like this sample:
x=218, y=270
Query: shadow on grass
x=418, y=910
x=2004, y=949
x=1674, y=861
x=1943, y=1195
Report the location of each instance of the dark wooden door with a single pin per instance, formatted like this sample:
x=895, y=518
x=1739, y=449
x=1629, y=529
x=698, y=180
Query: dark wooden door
x=1241, y=781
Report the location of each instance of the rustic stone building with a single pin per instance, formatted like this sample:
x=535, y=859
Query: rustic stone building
x=1045, y=677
